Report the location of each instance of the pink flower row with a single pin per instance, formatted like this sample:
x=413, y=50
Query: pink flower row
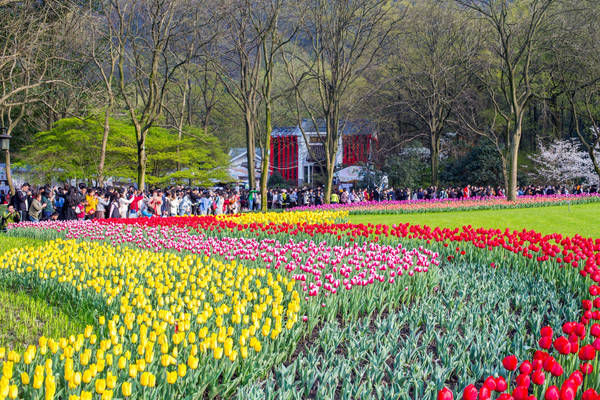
x=320, y=268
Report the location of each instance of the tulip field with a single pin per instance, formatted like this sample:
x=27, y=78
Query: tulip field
x=305, y=304
x=453, y=204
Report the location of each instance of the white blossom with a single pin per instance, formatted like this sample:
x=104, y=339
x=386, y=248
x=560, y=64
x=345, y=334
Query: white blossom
x=563, y=162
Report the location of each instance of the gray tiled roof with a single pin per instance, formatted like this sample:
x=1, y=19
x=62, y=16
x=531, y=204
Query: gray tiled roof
x=357, y=127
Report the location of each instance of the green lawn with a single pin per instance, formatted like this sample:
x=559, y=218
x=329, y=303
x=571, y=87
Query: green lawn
x=580, y=219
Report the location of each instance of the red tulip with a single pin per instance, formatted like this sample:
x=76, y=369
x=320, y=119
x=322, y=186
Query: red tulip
x=587, y=353
x=562, y=345
x=590, y=394
x=552, y=393
x=538, y=377
x=580, y=330
x=549, y=363
x=540, y=355
x=567, y=392
x=586, y=368
x=574, y=342
x=490, y=383
x=523, y=380
x=470, y=393
x=510, y=363
x=484, y=393
x=546, y=331
x=501, y=384
x=445, y=394
x=557, y=369
x=520, y=393
x=577, y=378
x=545, y=342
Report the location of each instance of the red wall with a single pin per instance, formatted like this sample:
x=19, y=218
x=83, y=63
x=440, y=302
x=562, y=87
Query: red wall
x=284, y=157
x=356, y=149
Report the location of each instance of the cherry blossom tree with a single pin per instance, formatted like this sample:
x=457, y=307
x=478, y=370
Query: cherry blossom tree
x=562, y=162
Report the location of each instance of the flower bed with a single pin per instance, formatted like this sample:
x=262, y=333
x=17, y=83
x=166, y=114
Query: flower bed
x=343, y=272
x=441, y=205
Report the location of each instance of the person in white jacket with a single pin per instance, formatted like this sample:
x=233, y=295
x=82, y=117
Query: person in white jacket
x=124, y=203
x=220, y=202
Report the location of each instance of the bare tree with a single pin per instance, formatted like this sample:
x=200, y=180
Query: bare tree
x=508, y=73
x=154, y=39
x=28, y=32
x=430, y=66
x=105, y=56
x=240, y=72
x=267, y=23
x=574, y=69
x=344, y=40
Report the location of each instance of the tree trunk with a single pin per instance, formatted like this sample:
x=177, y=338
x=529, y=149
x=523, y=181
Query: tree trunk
x=434, y=155
x=11, y=185
x=206, y=119
x=329, y=183
x=181, y=121
x=266, y=154
x=251, y=150
x=331, y=147
x=504, y=172
x=103, y=148
x=513, y=165
x=141, y=152
x=594, y=161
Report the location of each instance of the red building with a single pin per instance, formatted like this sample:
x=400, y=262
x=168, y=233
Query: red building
x=297, y=153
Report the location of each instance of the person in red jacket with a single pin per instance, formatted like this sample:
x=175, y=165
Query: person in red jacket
x=134, y=207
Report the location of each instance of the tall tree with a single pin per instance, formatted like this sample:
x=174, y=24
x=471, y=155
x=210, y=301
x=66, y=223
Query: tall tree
x=430, y=65
x=154, y=39
x=28, y=32
x=267, y=24
x=105, y=56
x=508, y=73
x=240, y=72
x=344, y=39
x=574, y=69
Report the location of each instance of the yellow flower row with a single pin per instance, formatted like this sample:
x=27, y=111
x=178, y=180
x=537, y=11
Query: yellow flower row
x=308, y=217
x=173, y=316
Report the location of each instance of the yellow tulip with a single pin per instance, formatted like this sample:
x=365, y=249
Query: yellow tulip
x=192, y=362
x=111, y=380
x=100, y=386
x=38, y=380
x=181, y=370
x=126, y=389
x=77, y=378
x=145, y=378
x=218, y=354
x=13, y=391
x=87, y=376
x=172, y=377
x=133, y=371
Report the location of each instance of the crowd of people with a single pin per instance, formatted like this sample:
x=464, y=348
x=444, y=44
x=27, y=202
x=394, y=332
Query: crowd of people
x=81, y=202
